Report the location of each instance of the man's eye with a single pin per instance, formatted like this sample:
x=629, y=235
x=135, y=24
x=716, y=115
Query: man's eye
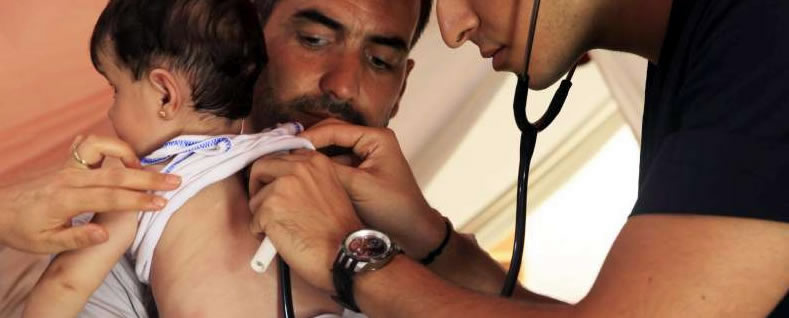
x=312, y=41
x=379, y=63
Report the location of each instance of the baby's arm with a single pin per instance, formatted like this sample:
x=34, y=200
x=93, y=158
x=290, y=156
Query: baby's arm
x=73, y=276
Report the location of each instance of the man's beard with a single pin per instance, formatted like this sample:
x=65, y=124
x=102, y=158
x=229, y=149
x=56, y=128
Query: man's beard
x=269, y=111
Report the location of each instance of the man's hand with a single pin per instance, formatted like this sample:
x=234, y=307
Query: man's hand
x=299, y=203
x=35, y=215
x=382, y=188
x=387, y=197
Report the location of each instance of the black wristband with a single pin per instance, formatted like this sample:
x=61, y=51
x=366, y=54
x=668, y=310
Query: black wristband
x=342, y=276
x=436, y=252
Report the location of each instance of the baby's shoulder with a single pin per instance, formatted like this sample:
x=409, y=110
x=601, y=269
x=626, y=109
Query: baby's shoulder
x=228, y=193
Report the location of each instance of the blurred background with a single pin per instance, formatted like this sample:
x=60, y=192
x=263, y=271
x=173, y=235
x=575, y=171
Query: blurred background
x=455, y=126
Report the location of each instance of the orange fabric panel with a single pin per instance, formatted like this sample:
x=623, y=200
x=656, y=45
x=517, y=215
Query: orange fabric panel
x=49, y=93
x=49, y=90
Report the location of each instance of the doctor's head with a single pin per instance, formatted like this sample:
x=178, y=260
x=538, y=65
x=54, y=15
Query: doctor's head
x=500, y=29
x=347, y=59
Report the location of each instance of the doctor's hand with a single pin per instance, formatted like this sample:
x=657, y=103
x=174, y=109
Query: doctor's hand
x=299, y=203
x=35, y=215
x=382, y=187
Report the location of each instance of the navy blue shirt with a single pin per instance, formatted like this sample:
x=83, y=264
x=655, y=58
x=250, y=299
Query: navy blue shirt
x=716, y=119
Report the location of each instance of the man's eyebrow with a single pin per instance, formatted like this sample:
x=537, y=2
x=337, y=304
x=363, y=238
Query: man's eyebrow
x=394, y=42
x=316, y=16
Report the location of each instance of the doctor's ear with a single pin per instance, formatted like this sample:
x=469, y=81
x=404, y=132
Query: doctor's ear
x=167, y=92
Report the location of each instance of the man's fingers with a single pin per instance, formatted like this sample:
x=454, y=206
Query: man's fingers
x=256, y=200
x=259, y=214
x=330, y=121
x=349, y=177
x=78, y=237
x=346, y=160
x=363, y=140
x=101, y=200
x=255, y=225
x=266, y=170
x=131, y=179
x=334, y=134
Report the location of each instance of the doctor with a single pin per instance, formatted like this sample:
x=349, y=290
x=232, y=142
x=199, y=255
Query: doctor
x=708, y=236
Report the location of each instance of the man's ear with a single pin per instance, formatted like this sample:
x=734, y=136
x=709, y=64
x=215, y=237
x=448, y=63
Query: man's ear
x=408, y=68
x=167, y=91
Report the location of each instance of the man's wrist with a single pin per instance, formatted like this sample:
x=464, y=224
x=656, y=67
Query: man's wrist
x=448, y=229
x=424, y=237
x=368, y=284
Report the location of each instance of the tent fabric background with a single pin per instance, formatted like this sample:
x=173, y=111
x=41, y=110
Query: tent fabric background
x=49, y=90
x=49, y=93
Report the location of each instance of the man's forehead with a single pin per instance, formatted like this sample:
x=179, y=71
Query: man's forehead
x=363, y=17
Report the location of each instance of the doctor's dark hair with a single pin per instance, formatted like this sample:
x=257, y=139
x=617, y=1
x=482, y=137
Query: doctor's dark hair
x=216, y=44
x=265, y=7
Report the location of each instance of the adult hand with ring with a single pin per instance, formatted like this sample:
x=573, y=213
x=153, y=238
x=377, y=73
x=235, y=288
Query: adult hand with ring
x=35, y=214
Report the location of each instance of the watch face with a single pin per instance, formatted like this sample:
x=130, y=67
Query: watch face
x=368, y=245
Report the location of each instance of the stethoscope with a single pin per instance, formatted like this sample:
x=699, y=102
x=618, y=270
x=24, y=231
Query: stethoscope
x=528, y=141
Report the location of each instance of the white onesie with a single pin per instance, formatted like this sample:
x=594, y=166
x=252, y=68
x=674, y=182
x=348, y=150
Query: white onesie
x=201, y=161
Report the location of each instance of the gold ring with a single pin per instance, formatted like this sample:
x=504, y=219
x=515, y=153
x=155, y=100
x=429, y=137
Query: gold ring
x=77, y=158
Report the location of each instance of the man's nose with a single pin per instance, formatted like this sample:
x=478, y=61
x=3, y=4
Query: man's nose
x=457, y=21
x=342, y=80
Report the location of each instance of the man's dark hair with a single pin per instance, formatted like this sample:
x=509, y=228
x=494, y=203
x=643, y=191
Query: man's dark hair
x=217, y=44
x=265, y=7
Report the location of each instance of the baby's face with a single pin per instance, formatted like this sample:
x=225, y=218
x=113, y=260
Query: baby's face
x=135, y=108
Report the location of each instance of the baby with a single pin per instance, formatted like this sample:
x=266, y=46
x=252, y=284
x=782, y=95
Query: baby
x=183, y=73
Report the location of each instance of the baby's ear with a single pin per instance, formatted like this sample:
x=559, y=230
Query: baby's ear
x=167, y=92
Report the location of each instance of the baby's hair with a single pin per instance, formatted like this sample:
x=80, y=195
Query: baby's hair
x=217, y=44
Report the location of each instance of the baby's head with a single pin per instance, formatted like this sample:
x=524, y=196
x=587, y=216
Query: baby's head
x=178, y=66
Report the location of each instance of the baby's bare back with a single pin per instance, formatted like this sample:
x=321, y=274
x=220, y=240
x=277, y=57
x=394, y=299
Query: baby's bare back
x=201, y=263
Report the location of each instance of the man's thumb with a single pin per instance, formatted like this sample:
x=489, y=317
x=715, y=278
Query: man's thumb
x=350, y=177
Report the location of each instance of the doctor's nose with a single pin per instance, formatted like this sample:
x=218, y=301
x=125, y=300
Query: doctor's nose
x=457, y=21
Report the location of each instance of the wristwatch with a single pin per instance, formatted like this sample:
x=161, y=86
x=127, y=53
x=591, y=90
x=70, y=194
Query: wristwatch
x=361, y=251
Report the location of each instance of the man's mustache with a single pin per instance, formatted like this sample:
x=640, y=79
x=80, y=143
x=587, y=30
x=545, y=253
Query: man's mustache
x=326, y=104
